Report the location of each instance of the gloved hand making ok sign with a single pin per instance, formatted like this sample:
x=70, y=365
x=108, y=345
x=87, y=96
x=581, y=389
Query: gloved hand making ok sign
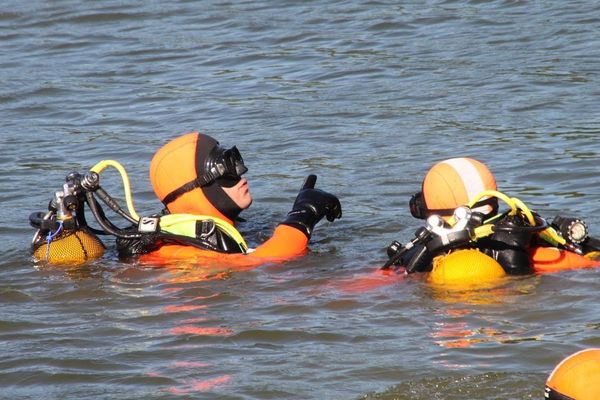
x=311, y=206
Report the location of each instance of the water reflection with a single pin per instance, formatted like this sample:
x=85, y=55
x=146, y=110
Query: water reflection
x=472, y=316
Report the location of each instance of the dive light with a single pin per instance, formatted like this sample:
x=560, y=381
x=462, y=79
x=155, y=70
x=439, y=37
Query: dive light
x=574, y=230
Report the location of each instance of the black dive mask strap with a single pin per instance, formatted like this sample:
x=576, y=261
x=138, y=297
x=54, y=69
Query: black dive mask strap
x=419, y=209
x=490, y=201
x=183, y=189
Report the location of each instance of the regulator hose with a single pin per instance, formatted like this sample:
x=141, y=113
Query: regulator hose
x=104, y=222
x=101, y=166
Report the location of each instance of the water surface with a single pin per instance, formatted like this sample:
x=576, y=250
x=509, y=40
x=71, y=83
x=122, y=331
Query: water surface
x=365, y=94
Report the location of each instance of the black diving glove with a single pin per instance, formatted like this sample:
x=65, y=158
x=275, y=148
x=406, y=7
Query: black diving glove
x=311, y=206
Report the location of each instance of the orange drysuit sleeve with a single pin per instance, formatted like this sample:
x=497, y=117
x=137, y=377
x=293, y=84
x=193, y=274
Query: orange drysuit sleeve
x=551, y=259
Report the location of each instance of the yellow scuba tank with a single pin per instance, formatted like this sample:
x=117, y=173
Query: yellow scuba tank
x=60, y=239
x=68, y=248
x=465, y=268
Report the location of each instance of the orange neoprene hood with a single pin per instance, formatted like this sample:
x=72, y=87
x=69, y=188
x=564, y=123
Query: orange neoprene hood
x=576, y=377
x=454, y=182
x=180, y=162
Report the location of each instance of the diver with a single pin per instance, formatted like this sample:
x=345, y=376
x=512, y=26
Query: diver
x=202, y=187
x=460, y=203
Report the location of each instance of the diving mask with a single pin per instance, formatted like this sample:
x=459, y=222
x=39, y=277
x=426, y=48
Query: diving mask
x=225, y=166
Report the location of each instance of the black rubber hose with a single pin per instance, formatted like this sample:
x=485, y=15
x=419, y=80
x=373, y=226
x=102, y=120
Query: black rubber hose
x=108, y=226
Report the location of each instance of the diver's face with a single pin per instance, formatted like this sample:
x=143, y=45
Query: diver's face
x=240, y=194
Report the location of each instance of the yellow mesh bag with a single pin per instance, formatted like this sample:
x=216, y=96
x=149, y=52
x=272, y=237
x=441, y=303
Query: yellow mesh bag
x=70, y=248
x=467, y=268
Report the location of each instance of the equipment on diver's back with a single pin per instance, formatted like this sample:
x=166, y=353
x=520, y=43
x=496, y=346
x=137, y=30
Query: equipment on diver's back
x=510, y=242
x=574, y=230
x=395, y=250
x=435, y=237
x=64, y=237
x=506, y=237
x=465, y=268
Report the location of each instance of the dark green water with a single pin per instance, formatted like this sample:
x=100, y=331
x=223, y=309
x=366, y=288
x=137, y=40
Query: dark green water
x=367, y=95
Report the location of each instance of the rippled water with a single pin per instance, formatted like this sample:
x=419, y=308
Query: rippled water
x=365, y=94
